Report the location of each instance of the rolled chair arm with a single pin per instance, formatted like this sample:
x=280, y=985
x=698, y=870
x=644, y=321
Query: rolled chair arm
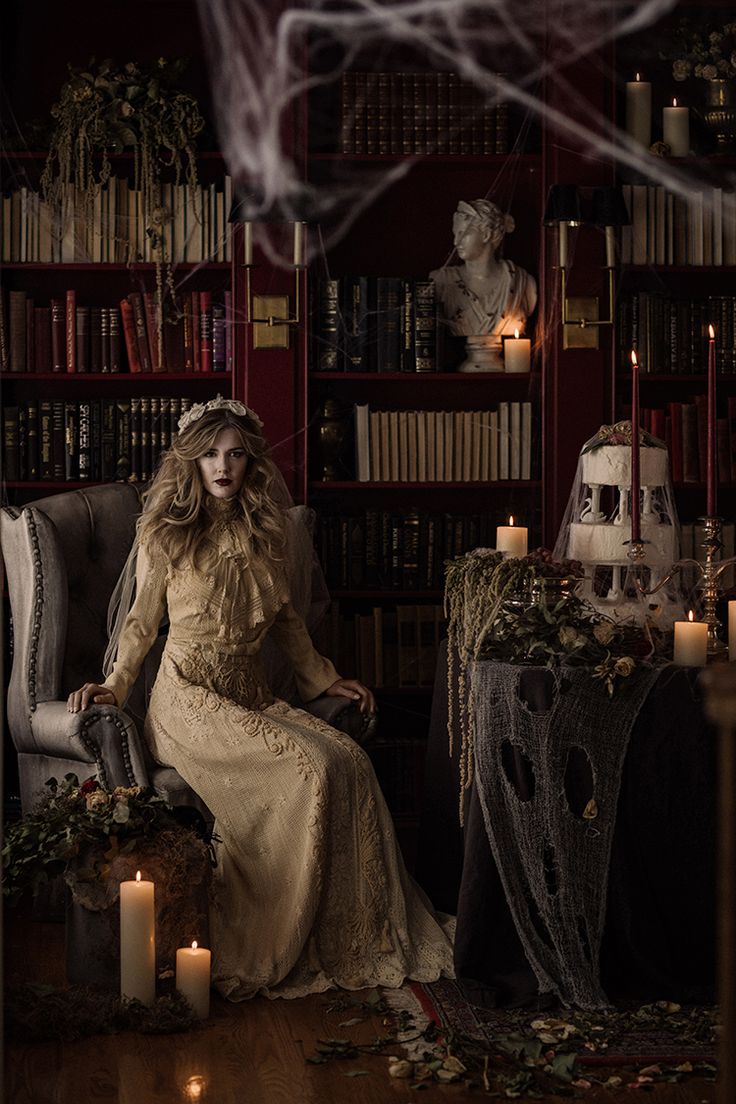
x=102, y=736
x=344, y=715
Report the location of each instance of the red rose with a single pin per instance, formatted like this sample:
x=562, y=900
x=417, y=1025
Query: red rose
x=89, y=786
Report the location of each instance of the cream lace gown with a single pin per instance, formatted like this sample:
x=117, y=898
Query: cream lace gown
x=311, y=891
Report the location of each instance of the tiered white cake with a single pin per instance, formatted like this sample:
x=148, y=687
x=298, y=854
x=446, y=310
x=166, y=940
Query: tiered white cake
x=597, y=540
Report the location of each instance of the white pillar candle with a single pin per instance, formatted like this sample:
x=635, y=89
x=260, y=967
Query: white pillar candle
x=248, y=243
x=517, y=353
x=676, y=129
x=732, y=630
x=193, y=977
x=298, y=244
x=512, y=539
x=691, y=642
x=137, y=941
x=639, y=111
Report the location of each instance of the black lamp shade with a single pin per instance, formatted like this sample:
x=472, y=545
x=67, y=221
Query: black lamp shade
x=608, y=208
x=563, y=205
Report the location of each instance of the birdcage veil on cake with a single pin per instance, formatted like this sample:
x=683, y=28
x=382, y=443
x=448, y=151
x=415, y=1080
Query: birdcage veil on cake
x=596, y=527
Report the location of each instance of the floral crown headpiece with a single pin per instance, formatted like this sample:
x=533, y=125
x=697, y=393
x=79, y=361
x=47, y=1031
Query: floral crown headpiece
x=199, y=409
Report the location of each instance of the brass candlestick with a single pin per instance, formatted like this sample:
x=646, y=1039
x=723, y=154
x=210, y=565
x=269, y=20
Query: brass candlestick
x=710, y=572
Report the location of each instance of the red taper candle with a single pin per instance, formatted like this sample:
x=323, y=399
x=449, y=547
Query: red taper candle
x=710, y=470
x=635, y=468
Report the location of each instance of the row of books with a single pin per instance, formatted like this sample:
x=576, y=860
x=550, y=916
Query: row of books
x=390, y=646
x=698, y=228
x=407, y=113
x=374, y=324
x=109, y=225
x=683, y=426
x=396, y=550
x=671, y=335
x=67, y=336
x=426, y=446
x=96, y=439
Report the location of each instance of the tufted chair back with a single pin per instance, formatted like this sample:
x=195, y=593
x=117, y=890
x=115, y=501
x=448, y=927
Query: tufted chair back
x=63, y=556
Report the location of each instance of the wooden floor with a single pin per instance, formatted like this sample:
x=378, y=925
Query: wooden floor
x=249, y=1053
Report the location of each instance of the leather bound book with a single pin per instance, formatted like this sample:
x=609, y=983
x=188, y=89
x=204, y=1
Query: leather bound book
x=46, y=440
x=122, y=435
x=174, y=345
x=145, y=432
x=135, y=439
x=139, y=317
x=58, y=335
x=187, y=341
x=155, y=340
x=195, y=311
x=95, y=339
x=129, y=335
x=104, y=340
x=95, y=436
x=70, y=330
x=219, y=343
x=31, y=434
x=84, y=444
x=17, y=316
x=205, y=331
x=42, y=339
x=58, y=438
x=108, y=446
x=82, y=339
x=116, y=352
x=71, y=441
x=11, y=457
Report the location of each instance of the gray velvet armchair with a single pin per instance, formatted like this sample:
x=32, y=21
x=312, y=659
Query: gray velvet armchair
x=63, y=555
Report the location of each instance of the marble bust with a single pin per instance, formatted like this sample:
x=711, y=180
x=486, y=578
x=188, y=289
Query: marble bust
x=486, y=297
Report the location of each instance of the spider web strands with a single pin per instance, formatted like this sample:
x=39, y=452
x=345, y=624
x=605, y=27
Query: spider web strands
x=262, y=68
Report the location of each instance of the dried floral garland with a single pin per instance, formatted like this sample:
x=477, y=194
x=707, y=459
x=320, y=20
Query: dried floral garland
x=525, y=610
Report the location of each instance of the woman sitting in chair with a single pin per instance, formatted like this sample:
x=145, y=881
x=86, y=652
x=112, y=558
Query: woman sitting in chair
x=310, y=890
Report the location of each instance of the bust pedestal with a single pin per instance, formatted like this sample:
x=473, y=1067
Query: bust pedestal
x=484, y=353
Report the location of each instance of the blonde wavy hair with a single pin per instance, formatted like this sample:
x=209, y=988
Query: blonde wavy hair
x=177, y=519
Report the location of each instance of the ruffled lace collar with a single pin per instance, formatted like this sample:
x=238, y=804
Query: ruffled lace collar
x=221, y=507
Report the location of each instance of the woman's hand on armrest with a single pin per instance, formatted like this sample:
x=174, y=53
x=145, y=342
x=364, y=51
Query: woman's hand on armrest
x=356, y=691
x=89, y=694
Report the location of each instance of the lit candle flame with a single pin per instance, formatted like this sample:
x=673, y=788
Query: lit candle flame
x=638, y=77
x=634, y=359
x=194, y=944
x=138, y=876
x=516, y=333
x=711, y=333
x=690, y=615
x=674, y=102
x=511, y=519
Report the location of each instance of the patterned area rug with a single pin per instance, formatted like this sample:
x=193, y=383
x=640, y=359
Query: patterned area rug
x=630, y=1034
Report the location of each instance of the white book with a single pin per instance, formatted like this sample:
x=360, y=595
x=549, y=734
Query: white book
x=626, y=234
x=422, y=458
x=440, y=446
x=515, y=440
x=526, y=440
x=430, y=417
x=228, y=224
x=67, y=229
x=96, y=242
x=717, y=200
x=23, y=224
x=660, y=226
x=503, y=440
x=494, y=447
x=393, y=445
x=695, y=228
x=375, y=445
x=411, y=445
x=670, y=234
x=213, y=238
x=729, y=228
x=362, y=443
x=385, y=446
x=448, y=473
x=639, y=224
x=466, y=459
x=476, y=435
x=484, y=437
x=403, y=446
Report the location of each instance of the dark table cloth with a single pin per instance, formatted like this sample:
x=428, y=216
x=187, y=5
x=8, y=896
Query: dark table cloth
x=659, y=937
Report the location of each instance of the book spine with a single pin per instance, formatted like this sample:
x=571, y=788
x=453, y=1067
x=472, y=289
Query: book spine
x=11, y=457
x=425, y=327
x=129, y=335
x=219, y=338
x=95, y=338
x=82, y=339
x=135, y=440
x=95, y=434
x=205, y=331
x=46, y=440
x=84, y=443
x=109, y=441
x=71, y=441
x=18, y=361
x=139, y=318
x=122, y=433
x=70, y=330
x=42, y=327
x=58, y=438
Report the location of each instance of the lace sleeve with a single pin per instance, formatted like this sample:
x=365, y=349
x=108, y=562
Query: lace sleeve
x=313, y=672
x=141, y=625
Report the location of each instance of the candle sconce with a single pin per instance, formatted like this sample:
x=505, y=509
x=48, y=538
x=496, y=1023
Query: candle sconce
x=569, y=206
x=270, y=316
x=710, y=571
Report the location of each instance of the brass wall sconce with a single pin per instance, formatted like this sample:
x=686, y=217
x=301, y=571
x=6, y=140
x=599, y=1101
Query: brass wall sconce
x=605, y=209
x=269, y=315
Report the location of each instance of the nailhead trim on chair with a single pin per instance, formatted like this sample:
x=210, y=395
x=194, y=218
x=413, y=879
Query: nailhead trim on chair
x=37, y=608
x=124, y=745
